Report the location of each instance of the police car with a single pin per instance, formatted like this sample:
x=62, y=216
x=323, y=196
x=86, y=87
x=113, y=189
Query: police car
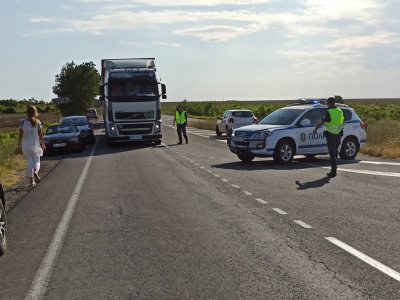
x=288, y=131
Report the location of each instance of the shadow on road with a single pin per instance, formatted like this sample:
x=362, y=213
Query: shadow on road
x=312, y=184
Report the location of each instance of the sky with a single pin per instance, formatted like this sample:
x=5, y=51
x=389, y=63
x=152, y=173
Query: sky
x=209, y=49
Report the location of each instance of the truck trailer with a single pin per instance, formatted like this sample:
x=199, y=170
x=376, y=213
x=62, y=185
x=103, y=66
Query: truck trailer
x=130, y=94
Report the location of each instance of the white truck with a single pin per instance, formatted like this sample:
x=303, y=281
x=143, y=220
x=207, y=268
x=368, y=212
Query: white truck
x=131, y=98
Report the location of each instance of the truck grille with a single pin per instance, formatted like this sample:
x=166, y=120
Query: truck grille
x=135, y=129
x=134, y=115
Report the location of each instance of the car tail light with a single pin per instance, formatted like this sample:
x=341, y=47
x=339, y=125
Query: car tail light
x=231, y=120
x=363, y=125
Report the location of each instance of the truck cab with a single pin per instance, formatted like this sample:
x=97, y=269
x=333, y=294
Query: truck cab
x=131, y=96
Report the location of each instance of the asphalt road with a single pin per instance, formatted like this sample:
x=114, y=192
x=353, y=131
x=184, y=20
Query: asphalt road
x=193, y=222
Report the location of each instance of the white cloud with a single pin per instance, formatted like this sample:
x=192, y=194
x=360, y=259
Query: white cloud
x=43, y=20
x=365, y=41
x=214, y=33
x=343, y=9
x=174, y=45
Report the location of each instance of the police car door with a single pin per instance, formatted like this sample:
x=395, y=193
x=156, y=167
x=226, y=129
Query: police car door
x=309, y=143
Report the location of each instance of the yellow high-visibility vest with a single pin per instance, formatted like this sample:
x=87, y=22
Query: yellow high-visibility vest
x=180, y=118
x=335, y=126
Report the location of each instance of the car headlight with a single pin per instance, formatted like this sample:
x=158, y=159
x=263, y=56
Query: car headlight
x=74, y=139
x=260, y=135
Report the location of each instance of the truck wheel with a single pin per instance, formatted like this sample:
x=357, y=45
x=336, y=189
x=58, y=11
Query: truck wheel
x=349, y=149
x=217, y=132
x=3, y=224
x=246, y=157
x=284, y=152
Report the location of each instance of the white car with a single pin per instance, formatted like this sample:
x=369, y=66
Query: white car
x=288, y=131
x=232, y=119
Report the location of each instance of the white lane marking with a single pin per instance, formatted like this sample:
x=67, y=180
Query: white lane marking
x=191, y=161
x=216, y=175
x=202, y=167
x=261, y=201
x=280, y=211
x=379, y=163
x=301, y=223
x=40, y=281
x=224, y=180
x=372, y=262
x=196, y=164
x=209, y=171
x=389, y=174
x=235, y=186
x=211, y=157
x=166, y=146
x=202, y=155
x=247, y=193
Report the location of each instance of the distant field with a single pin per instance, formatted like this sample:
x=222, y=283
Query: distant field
x=11, y=121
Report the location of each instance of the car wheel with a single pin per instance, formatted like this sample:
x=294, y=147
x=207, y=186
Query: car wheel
x=3, y=224
x=284, y=152
x=246, y=157
x=217, y=132
x=349, y=149
x=158, y=142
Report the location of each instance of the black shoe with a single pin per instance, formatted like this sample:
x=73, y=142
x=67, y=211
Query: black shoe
x=187, y=141
x=36, y=175
x=331, y=174
x=179, y=143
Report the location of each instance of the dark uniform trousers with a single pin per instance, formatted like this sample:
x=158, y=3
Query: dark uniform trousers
x=333, y=142
x=181, y=129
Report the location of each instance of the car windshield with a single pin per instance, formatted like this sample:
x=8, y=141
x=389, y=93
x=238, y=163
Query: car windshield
x=75, y=122
x=60, y=129
x=283, y=116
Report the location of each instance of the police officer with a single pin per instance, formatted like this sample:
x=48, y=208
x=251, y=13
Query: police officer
x=334, y=131
x=181, y=123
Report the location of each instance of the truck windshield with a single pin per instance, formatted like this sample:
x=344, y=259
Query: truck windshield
x=281, y=117
x=133, y=88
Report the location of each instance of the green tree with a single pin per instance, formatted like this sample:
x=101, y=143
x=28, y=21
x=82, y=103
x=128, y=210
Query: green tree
x=80, y=83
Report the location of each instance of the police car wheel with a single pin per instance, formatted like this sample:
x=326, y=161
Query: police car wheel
x=284, y=152
x=3, y=227
x=349, y=148
x=246, y=157
x=217, y=132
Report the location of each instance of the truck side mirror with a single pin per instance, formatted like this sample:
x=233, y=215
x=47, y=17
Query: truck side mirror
x=163, y=89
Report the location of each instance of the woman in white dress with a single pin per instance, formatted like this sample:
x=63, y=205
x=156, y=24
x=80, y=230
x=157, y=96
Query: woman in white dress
x=32, y=143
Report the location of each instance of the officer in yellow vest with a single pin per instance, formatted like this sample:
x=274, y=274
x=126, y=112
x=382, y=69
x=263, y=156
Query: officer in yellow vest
x=334, y=131
x=181, y=123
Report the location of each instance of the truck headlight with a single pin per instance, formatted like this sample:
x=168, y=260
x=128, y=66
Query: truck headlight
x=112, y=129
x=260, y=135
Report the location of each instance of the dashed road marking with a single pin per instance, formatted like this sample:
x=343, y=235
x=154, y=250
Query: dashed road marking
x=209, y=171
x=279, y=211
x=235, y=186
x=261, y=201
x=247, y=193
x=224, y=180
x=216, y=175
x=365, y=258
x=301, y=223
x=379, y=163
